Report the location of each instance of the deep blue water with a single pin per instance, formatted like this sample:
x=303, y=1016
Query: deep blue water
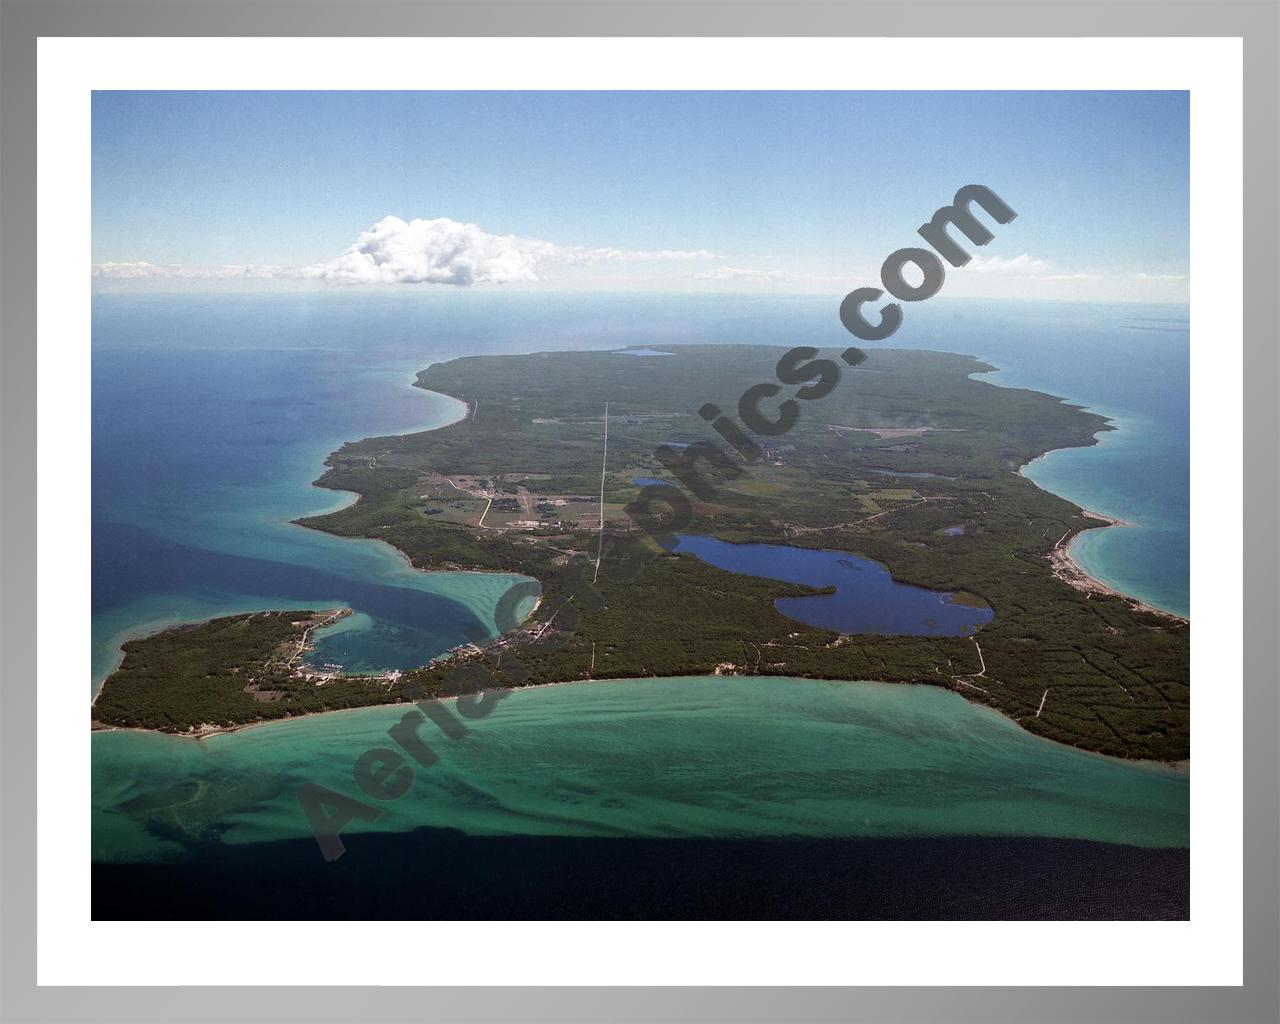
x=867, y=598
x=209, y=424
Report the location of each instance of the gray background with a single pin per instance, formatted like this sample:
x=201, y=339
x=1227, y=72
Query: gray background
x=1258, y=22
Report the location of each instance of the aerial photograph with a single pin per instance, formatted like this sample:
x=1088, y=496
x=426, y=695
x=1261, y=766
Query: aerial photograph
x=522, y=505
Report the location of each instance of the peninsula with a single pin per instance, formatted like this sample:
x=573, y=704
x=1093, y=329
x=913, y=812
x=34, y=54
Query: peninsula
x=912, y=463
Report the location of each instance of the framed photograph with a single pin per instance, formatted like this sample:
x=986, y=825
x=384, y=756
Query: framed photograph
x=640, y=513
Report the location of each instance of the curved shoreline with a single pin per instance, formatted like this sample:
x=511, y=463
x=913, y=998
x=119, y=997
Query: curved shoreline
x=1071, y=572
x=152, y=627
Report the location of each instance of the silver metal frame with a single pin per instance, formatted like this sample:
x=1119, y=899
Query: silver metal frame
x=21, y=23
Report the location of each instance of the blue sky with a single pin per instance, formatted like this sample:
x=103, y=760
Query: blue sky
x=711, y=191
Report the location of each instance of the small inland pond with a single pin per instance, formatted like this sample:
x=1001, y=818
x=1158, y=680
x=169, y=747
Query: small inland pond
x=867, y=599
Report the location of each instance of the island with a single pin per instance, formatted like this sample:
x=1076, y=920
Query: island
x=906, y=479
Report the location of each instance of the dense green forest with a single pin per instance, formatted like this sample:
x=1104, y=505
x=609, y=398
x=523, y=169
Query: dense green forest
x=225, y=672
x=908, y=447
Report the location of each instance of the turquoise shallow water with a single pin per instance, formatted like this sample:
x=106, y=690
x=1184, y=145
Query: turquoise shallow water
x=213, y=415
x=721, y=757
x=1144, y=556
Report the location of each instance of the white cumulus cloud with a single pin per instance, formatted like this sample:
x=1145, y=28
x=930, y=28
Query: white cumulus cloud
x=444, y=251
x=438, y=251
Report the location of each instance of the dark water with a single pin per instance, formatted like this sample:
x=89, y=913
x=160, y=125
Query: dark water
x=867, y=598
x=431, y=874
